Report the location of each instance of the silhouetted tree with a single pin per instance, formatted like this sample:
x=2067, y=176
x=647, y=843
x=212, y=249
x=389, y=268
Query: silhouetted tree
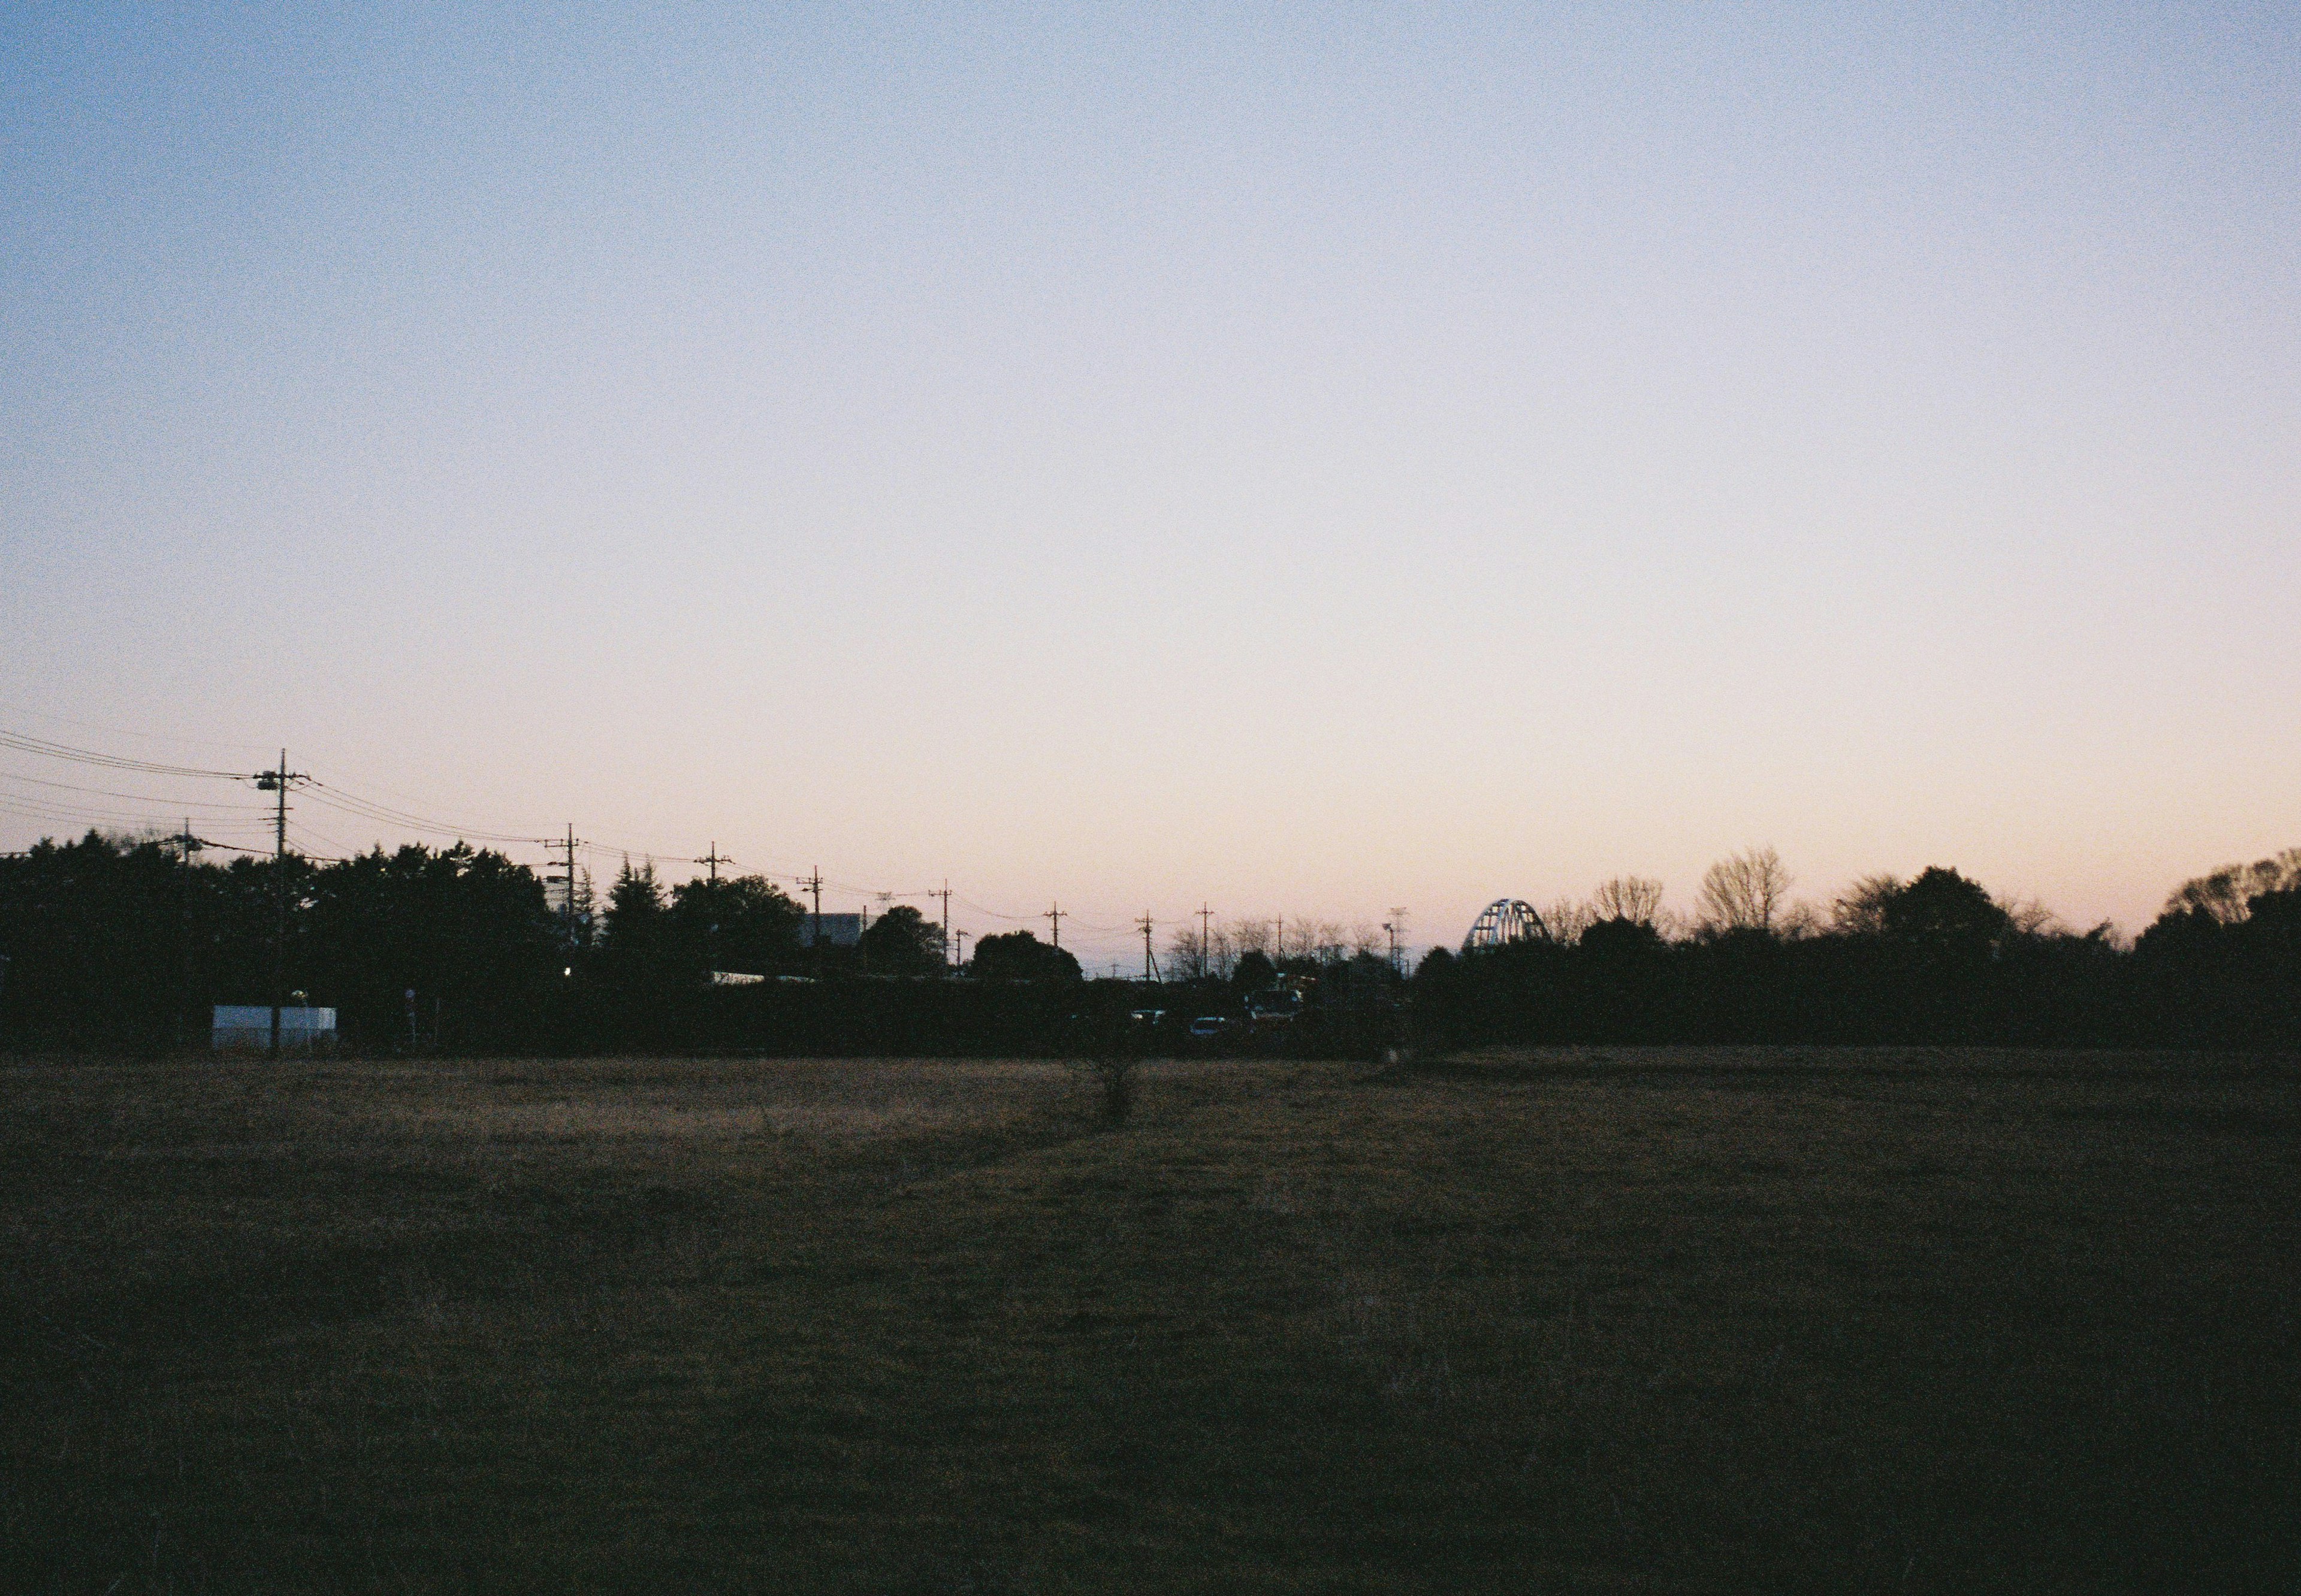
x=743, y=923
x=1253, y=971
x=1860, y=911
x=467, y=931
x=902, y=942
x=2227, y=895
x=1019, y=955
x=634, y=951
x=1621, y=936
x=1942, y=912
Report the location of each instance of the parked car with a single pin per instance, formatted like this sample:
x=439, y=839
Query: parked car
x=1209, y=1026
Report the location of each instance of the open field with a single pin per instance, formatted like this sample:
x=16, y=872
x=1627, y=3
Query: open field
x=1619, y=1319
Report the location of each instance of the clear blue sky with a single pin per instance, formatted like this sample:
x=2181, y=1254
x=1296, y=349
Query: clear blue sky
x=1305, y=459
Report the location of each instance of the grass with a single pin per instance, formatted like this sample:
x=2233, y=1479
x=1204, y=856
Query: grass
x=1612, y=1320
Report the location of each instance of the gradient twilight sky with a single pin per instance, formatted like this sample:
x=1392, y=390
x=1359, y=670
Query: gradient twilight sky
x=1305, y=459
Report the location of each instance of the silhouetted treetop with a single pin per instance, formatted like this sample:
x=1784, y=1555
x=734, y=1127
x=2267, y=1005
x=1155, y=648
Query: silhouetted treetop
x=1943, y=911
x=1620, y=937
x=1019, y=955
x=902, y=942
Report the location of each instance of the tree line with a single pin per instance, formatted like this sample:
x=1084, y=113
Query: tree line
x=1934, y=959
x=125, y=943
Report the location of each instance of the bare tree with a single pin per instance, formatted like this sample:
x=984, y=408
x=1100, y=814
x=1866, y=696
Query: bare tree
x=1189, y=953
x=1322, y=941
x=1801, y=920
x=1249, y=936
x=2029, y=918
x=1745, y=891
x=1860, y=911
x=1566, y=920
x=1636, y=898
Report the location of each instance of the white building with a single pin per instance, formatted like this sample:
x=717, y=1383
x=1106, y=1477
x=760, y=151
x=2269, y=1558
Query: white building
x=838, y=930
x=241, y=1027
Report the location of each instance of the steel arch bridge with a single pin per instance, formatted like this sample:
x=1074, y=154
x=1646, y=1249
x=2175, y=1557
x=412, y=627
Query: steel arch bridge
x=1504, y=921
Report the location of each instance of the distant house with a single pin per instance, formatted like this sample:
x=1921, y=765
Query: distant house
x=838, y=930
x=242, y=1027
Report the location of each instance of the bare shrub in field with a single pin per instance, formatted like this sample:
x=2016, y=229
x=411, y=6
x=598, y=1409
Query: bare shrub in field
x=1113, y=1081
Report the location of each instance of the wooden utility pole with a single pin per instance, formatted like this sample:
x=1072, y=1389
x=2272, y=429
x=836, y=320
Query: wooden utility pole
x=1055, y=916
x=567, y=909
x=814, y=884
x=278, y=781
x=712, y=860
x=1150, y=961
x=187, y=845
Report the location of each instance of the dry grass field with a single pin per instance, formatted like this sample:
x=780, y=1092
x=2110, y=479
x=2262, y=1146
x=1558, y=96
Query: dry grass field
x=1617, y=1320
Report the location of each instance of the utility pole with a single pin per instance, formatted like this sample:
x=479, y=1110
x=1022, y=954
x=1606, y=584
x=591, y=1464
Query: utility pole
x=1149, y=962
x=885, y=900
x=712, y=860
x=567, y=907
x=1055, y=914
x=187, y=845
x=945, y=895
x=1205, y=938
x=962, y=949
x=1397, y=926
x=1278, y=943
x=278, y=782
x=814, y=884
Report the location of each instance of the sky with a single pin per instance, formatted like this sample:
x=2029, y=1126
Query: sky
x=1298, y=459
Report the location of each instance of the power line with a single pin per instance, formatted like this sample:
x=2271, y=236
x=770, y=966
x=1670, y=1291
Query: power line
x=140, y=798
x=352, y=803
x=26, y=744
x=189, y=743
x=52, y=813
